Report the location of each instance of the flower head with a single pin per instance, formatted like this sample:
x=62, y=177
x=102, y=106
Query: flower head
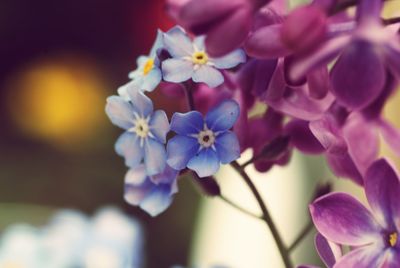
x=201, y=145
x=373, y=234
x=145, y=133
x=153, y=194
x=191, y=61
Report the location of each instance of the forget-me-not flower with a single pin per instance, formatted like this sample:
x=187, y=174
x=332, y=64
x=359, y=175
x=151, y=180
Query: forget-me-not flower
x=145, y=135
x=201, y=145
x=191, y=61
x=153, y=194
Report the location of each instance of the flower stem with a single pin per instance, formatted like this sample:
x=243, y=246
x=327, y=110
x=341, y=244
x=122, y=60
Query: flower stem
x=301, y=236
x=189, y=96
x=245, y=211
x=266, y=216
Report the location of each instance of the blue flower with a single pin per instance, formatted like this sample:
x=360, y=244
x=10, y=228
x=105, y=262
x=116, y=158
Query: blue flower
x=190, y=60
x=153, y=194
x=145, y=135
x=201, y=145
x=147, y=75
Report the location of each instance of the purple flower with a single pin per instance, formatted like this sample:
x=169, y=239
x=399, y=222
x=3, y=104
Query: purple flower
x=153, y=194
x=145, y=133
x=147, y=75
x=191, y=61
x=365, y=51
x=201, y=145
x=225, y=22
x=373, y=235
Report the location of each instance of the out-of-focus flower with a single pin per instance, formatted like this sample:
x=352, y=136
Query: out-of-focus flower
x=153, y=194
x=145, y=133
x=225, y=22
x=366, y=52
x=373, y=236
x=191, y=61
x=201, y=145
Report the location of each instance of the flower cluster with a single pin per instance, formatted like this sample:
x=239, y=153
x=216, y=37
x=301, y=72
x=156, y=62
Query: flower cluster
x=315, y=79
x=71, y=239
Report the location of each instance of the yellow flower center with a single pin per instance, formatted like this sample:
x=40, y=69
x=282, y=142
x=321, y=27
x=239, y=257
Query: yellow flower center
x=393, y=239
x=148, y=66
x=200, y=57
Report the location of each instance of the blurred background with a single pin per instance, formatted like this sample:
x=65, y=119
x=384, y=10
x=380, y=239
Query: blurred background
x=59, y=60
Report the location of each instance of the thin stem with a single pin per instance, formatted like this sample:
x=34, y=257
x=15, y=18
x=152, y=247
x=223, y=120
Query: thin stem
x=302, y=235
x=266, y=216
x=391, y=20
x=189, y=96
x=233, y=204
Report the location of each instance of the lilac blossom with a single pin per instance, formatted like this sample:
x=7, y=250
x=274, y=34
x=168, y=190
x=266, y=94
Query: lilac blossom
x=202, y=144
x=191, y=61
x=372, y=234
x=153, y=194
x=365, y=51
x=145, y=135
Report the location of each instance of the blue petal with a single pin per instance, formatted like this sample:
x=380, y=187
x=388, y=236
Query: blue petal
x=224, y=116
x=199, y=43
x=141, y=103
x=123, y=90
x=187, y=123
x=134, y=194
x=158, y=200
x=168, y=176
x=205, y=163
x=128, y=146
x=120, y=112
x=136, y=176
x=230, y=60
x=180, y=149
x=178, y=43
x=151, y=80
x=228, y=148
x=208, y=75
x=154, y=156
x=158, y=43
x=159, y=125
x=177, y=70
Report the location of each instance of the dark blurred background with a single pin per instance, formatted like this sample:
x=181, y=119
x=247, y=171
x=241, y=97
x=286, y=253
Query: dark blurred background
x=59, y=60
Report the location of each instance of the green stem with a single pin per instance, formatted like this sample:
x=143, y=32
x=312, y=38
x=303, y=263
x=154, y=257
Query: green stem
x=266, y=215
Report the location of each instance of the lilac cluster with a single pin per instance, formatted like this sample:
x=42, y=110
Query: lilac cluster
x=272, y=80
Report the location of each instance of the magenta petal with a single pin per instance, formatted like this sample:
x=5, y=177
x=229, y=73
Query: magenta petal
x=328, y=251
x=266, y=43
x=358, y=76
x=365, y=257
x=302, y=138
x=344, y=220
x=327, y=131
x=382, y=187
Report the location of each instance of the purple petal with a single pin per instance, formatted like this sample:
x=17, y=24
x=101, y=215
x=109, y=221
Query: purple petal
x=159, y=125
x=154, y=156
x=223, y=116
x=392, y=259
x=392, y=56
x=266, y=43
x=208, y=75
x=187, y=123
x=230, y=60
x=128, y=146
x=228, y=148
x=177, y=70
x=178, y=43
x=302, y=138
x=151, y=80
x=168, y=176
x=205, y=163
x=141, y=103
x=342, y=165
x=382, y=188
x=318, y=58
x=344, y=220
x=158, y=200
x=369, y=11
x=120, y=112
x=180, y=150
x=391, y=135
x=358, y=76
x=328, y=251
x=318, y=83
x=366, y=257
